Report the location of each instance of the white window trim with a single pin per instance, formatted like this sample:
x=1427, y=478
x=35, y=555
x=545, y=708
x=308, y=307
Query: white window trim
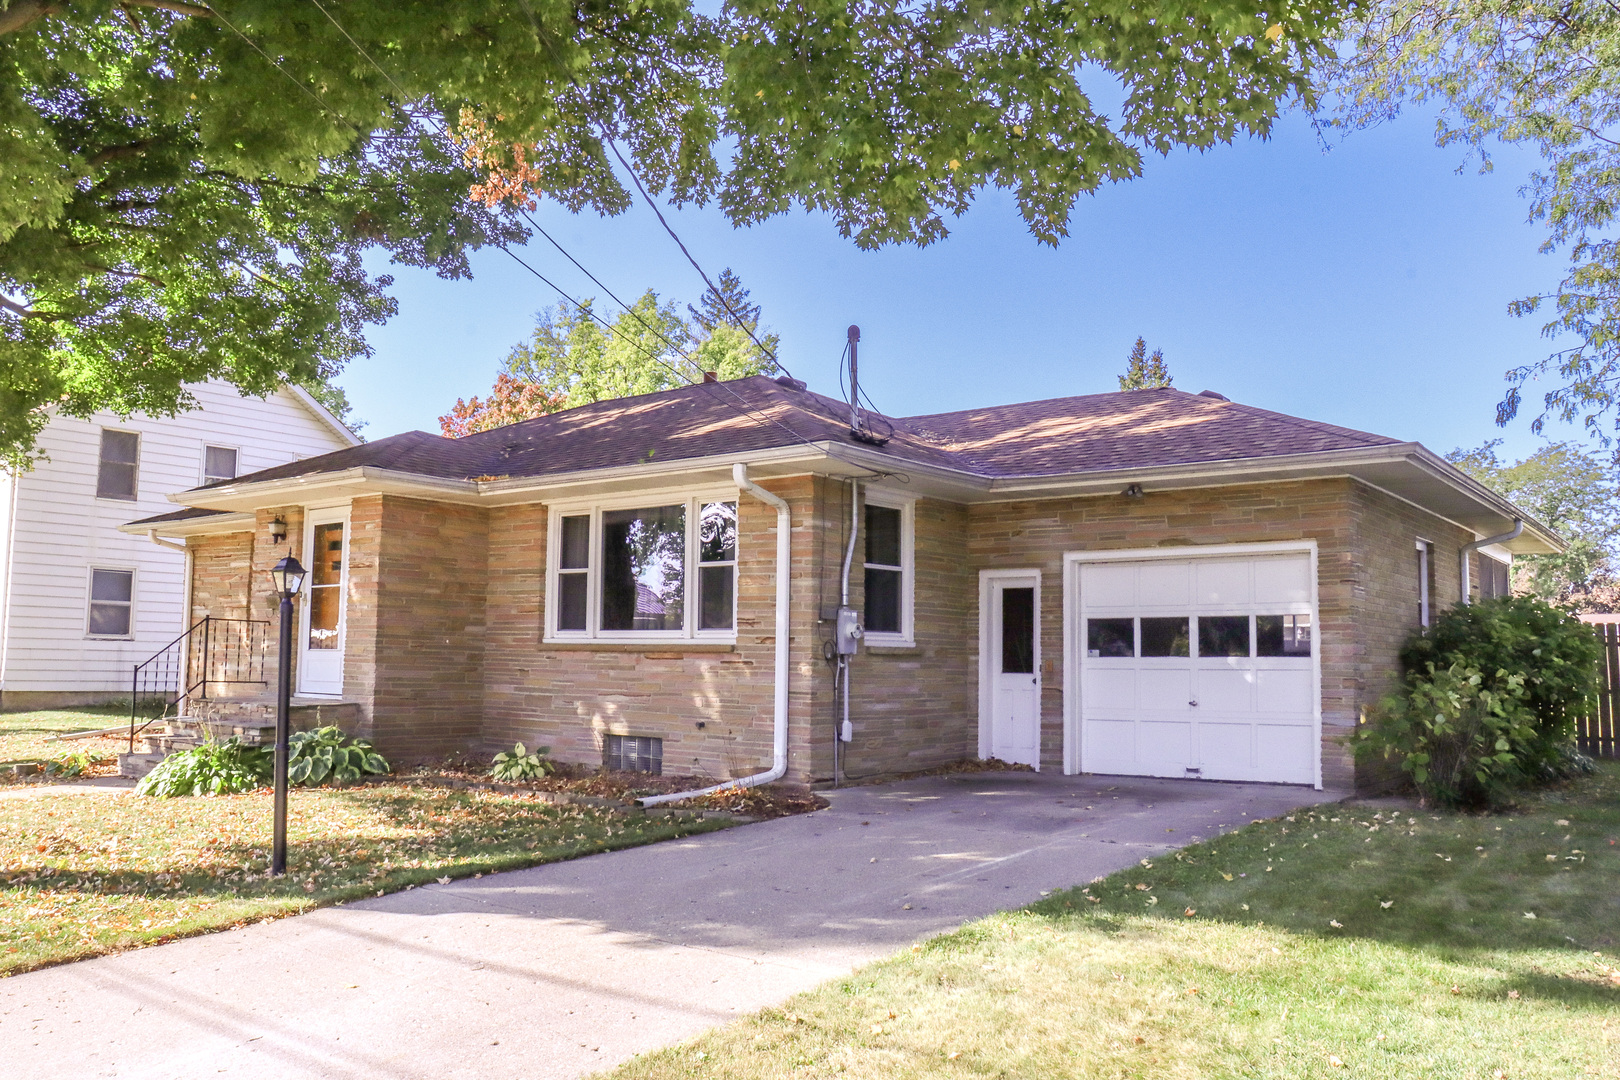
x=692, y=499
x=134, y=598
x=1425, y=551
x=140, y=446
x=907, y=505
x=202, y=465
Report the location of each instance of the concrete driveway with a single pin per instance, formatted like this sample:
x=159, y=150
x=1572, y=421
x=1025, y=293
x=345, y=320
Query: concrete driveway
x=565, y=969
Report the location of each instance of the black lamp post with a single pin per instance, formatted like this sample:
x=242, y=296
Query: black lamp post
x=289, y=578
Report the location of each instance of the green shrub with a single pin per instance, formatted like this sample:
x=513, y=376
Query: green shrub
x=314, y=757
x=1460, y=736
x=520, y=764
x=210, y=769
x=1554, y=653
x=72, y=763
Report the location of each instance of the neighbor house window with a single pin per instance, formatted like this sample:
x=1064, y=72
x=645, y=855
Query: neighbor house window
x=664, y=570
x=219, y=463
x=112, y=603
x=888, y=570
x=119, y=466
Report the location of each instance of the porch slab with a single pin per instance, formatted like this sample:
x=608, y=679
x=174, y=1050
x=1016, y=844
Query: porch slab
x=562, y=970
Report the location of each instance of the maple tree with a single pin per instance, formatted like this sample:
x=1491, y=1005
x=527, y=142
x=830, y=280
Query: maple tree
x=191, y=190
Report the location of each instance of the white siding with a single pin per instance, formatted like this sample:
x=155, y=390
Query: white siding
x=59, y=530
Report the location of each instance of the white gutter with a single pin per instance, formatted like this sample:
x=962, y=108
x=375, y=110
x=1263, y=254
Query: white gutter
x=784, y=568
x=1469, y=549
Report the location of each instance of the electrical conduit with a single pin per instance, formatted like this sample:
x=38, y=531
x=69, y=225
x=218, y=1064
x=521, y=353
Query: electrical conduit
x=784, y=567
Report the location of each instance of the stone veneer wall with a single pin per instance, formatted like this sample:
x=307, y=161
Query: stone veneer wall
x=911, y=708
x=568, y=696
x=446, y=612
x=1366, y=565
x=417, y=623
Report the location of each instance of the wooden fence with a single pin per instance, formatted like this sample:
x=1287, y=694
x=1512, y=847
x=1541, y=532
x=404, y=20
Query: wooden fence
x=1599, y=732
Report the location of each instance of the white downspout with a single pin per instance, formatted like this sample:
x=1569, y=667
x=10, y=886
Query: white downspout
x=1469, y=549
x=784, y=569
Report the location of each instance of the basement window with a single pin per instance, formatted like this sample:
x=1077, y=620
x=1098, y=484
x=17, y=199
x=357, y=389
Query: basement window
x=653, y=570
x=633, y=753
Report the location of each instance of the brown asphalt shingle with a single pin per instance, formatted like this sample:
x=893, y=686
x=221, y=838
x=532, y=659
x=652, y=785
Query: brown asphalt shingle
x=1134, y=429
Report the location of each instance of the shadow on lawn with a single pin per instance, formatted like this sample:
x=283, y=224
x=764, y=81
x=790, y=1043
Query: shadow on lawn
x=1489, y=890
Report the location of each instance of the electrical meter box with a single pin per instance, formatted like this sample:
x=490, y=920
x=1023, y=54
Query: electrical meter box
x=847, y=637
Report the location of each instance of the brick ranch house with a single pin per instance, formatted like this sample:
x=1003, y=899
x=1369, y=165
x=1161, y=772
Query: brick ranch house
x=1150, y=582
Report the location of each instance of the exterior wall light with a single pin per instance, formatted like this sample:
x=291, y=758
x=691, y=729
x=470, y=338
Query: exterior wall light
x=278, y=530
x=1133, y=492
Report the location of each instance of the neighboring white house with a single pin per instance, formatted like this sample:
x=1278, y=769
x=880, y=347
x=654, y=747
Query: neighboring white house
x=80, y=602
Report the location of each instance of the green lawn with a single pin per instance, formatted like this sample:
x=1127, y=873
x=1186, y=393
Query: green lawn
x=1340, y=942
x=82, y=874
x=25, y=738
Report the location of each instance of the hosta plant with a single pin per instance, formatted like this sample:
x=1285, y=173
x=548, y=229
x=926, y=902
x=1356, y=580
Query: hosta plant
x=521, y=764
x=222, y=768
x=320, y=756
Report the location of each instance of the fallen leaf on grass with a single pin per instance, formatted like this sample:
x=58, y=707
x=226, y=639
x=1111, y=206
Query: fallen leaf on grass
x=1562, y=823
x=1336, y=924
x=1227, y=876
x=1386, y=903
x=444, y=880
x=877, y=1029
x=1153, y=899
x=1529, y=914
x=1514, y=994
x=1333, y=1060
x=1190, y=912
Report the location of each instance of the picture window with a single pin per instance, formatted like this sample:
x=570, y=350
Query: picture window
x=633, y=570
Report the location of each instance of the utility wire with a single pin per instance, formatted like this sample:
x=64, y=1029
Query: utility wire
x=614, y=146
x=741, y=406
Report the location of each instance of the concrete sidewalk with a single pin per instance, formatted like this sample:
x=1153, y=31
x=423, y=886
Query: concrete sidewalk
x=564, y=969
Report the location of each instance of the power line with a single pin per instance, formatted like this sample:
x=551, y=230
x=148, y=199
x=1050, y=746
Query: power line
x=741, y=406
x=540, y=35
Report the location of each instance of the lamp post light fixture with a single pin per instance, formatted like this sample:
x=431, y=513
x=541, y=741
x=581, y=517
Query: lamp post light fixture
x=288, y=576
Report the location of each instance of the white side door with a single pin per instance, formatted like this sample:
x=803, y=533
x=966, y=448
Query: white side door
x=323, y=610
x=1010, y=647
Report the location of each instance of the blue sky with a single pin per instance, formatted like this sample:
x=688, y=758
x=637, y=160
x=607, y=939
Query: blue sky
x=1366, y=286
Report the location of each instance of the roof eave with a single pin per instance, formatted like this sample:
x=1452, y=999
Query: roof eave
x=213, y=524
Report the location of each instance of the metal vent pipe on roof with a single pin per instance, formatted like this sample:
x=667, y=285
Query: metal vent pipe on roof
x=1469, y=549
x=855, y=424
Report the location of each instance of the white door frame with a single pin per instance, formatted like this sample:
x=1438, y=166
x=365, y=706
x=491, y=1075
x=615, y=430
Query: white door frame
x=987, y=688
x=1071, y=628
x=313, y=516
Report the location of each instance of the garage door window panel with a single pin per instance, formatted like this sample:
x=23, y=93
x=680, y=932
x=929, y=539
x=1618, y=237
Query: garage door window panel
x=1283, y=635
x=1165, y=636
x=1223, y=635
x=1111, y=637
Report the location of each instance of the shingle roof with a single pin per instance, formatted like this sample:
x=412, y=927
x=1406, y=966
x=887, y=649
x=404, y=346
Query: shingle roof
x=1129, y=430
x=1134, y=429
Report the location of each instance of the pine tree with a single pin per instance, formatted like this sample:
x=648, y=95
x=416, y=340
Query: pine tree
x=1145, y=372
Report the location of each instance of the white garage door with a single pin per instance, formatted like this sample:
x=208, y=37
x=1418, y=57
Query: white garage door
x=1199, y=667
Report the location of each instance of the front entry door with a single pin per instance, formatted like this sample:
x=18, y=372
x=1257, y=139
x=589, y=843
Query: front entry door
x=320, y=654
x=1013, y=654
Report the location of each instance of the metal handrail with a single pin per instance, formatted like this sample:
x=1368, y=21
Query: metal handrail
x=174, y=674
